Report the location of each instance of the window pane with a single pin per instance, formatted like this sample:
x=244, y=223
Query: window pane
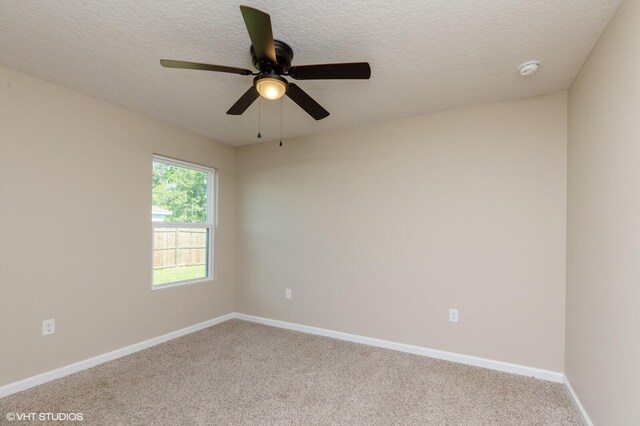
x=179, y=194
x=180, y=254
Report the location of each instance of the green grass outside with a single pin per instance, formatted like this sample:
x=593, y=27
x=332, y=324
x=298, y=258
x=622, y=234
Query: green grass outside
x=180, y=273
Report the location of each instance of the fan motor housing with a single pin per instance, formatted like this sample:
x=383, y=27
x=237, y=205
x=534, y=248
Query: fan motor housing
x=284, y=56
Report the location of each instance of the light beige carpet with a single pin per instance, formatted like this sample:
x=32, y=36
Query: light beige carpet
x=240, y=373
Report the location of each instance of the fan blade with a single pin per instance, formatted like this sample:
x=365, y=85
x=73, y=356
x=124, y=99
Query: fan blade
x=258, y=26
x=244, y=102
x=306, y=102
x=168, y=63
x=348, y=71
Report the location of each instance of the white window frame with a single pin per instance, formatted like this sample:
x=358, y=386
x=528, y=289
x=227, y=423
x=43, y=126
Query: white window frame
x=211, y=222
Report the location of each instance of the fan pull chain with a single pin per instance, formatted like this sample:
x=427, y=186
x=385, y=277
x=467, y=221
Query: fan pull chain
x=280, y=121
x=259, y=118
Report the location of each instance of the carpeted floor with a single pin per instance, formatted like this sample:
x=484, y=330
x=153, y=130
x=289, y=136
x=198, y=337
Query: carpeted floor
x=240, y=373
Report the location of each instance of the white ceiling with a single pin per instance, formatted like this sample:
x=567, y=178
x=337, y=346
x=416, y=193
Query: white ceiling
x=425, y=55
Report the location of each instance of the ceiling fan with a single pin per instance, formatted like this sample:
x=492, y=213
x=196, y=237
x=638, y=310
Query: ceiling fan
x=272, y=58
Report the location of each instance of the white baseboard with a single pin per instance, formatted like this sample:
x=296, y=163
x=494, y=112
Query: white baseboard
x=522, y=370
x=109, y=356
x=577, y=403
x=48, y=376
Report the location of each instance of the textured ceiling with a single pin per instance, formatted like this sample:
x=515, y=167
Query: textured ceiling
x=425, y=55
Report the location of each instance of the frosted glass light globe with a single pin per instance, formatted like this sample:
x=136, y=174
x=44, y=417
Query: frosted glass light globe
x=271, y=88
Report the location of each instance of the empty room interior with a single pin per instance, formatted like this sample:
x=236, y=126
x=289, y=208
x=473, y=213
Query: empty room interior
x=323, y=213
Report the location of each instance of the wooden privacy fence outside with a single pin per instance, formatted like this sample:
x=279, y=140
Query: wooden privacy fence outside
x=179, y=247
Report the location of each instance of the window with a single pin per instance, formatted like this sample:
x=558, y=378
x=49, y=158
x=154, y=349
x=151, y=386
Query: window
x=182, y=219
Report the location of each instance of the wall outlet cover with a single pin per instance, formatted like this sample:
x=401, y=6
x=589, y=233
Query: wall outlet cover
x=48, y=327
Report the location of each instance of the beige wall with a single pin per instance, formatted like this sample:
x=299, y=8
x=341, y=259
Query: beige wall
x=603, y=245
x=380, y=229
x=75, y=242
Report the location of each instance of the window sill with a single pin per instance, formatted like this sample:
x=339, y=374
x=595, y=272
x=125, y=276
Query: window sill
x=181, y=284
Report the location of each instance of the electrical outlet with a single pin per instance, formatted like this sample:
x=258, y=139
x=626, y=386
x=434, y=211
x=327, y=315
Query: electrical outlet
x=48, y=327
x=453, y=315
x=287, y=293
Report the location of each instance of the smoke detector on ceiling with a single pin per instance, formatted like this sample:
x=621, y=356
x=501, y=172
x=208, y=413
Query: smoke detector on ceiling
x=529, y=68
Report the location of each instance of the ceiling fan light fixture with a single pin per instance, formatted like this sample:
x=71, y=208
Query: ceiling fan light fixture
x=272, y=58
x=271, y=86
